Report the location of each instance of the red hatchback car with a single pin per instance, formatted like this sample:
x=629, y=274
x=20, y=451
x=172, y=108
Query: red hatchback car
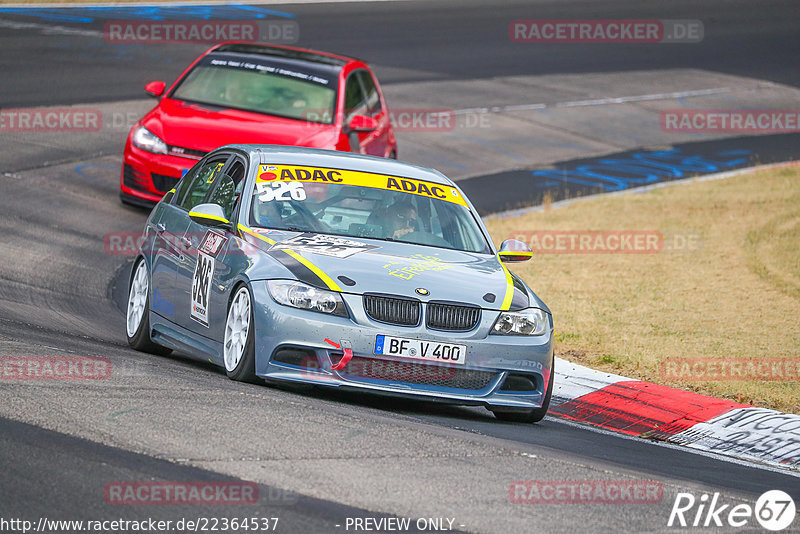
x=252, y=93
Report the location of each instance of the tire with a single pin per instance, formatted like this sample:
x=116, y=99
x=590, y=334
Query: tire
x=239, y=354
x=535, y=415
x=137, y=318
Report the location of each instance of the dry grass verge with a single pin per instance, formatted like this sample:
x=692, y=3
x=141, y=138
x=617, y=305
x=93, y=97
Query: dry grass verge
x=726, y=285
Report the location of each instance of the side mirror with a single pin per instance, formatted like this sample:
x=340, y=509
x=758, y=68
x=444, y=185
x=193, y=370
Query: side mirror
x=155, y=89
x=209, y=215
x=361, y=124
x=512, y=250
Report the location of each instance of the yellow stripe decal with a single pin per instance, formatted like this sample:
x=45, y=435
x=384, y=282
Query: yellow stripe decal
x=207, y=216
x=310, y=266
x=509, y=289
x=316, y=270
x=412, y=186
x=243, y=228
x=516, y=253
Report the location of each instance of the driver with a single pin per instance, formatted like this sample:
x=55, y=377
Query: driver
x=402, y=218
x=235, y=92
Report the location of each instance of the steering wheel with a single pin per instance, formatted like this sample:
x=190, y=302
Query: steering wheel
x=425, y=238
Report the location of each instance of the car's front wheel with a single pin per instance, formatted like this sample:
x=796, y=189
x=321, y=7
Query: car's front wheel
x=535, y=415
x=137, y=318
x=239, y=348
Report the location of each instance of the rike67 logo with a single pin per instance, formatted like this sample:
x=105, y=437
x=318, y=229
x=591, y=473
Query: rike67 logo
x=774, y=510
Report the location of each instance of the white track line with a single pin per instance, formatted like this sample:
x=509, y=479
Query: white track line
x=597, y=102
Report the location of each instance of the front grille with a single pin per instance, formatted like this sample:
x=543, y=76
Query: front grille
x=452, y=317
x=163, y=182
x=415, y=373
x=398, y=311
x=132, y=178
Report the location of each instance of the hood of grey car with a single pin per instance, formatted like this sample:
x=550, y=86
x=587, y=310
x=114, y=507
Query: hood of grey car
x=402, y=269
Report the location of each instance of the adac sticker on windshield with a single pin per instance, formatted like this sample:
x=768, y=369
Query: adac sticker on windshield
x=294, y=173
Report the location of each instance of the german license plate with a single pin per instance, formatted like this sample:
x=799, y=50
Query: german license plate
x=418, y=349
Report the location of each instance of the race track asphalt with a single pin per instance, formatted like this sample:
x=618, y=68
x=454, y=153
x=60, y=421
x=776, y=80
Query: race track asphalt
x=318, y=457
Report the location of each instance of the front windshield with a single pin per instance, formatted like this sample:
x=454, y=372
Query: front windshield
x=261, y=89
x=357, y=204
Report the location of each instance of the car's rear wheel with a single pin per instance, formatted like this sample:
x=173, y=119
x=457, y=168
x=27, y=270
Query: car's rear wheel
x=239, y=346
x=535, y=415
x=137, y=318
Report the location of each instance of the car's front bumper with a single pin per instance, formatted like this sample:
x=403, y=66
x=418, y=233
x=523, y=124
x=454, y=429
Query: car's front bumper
x=147, y=177
x=295, y=345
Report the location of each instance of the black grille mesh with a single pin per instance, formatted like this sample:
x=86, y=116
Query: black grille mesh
x=403, y=312
x=163, y=183
x=415, y=373
x=132, y=179
x=451, y=317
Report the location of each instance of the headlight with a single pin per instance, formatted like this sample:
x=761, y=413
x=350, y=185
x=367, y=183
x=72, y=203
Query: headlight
x=147, y=140
x=305, y=297
x=530, y=322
